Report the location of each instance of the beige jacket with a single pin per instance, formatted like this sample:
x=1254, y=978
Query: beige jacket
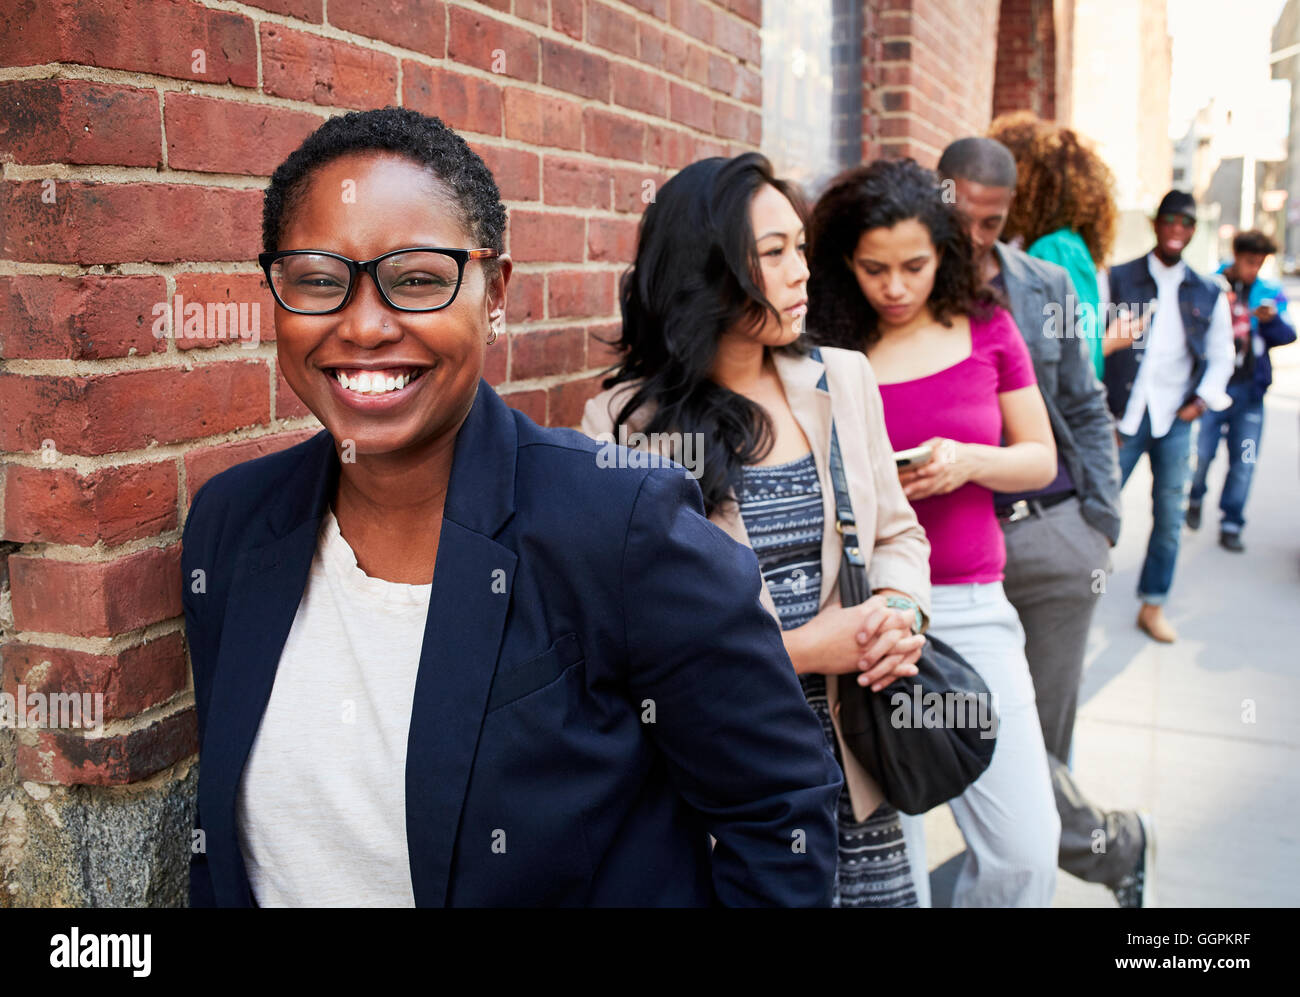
x=843, y=386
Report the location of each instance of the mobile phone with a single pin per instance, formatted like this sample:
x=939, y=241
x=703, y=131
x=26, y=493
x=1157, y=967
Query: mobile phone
x=914, y=457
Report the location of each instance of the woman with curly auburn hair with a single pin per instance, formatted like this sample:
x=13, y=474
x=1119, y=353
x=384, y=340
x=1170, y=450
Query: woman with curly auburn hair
x=893, y=275
x=1063, y=209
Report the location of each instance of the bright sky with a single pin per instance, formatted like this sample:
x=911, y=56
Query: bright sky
x=1216, y=44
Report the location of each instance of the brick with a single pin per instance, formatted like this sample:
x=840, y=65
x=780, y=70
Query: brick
x=75, y=121
x=84, y=415
x=749, y=86
x=676, y=50
x=131, y=681
x=579, y=293
x=203, y=463
x=225, y=136
x=729, y=120
x=125, y=223
x=414, y=24
x=575, y=183
x=639, y=90
x=565, y=402
x=96, y=599
x=574, y=70
x=542, y=352
x=611, y=29
x=531, y=402
x=69, y=759
x=304, y=10
x=697, y=65
x=669, y=147
x=526, y=297
x=112, y=504
x=692, y=17
x=656, y=8
x=536, y=11
x=612, y=135
x=542, y=120
x=149, y=36
x=307, y=67
x=485, y=42
x=231, y=304
x=690, y=107
x=650, y=44
x=466, y=103
x=79, y=318
x=722, y=74
x=516, y=171
x=611, y=240
x=545, y=237
x=566, y=17
x=750, y=10
x=634, y=189
x=738, y=38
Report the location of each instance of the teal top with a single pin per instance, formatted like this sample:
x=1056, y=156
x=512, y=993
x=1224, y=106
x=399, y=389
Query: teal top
x=1066, y=248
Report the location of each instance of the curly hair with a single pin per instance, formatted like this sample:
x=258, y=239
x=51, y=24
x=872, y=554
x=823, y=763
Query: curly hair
x=1062, y=183
x=880, y=196
x=419, y=137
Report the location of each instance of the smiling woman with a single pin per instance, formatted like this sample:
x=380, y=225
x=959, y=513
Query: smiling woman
x=440, y=653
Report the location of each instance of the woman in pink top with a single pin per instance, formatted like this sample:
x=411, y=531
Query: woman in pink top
x=891, y=275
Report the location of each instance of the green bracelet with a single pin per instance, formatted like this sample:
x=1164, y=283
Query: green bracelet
x=899, y=602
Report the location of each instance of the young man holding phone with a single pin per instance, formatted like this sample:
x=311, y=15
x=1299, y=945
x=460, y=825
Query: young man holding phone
x=1058, y=538
x=1259, y=323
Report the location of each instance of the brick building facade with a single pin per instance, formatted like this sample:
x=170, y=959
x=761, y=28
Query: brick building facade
x=134, y=151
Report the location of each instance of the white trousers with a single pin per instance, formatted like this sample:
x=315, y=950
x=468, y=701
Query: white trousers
x=1008, y=816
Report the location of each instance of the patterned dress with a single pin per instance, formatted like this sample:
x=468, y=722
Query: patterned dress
x=781, y=505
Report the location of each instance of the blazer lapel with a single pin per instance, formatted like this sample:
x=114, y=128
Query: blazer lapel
x=804, y=380
x=472, y=585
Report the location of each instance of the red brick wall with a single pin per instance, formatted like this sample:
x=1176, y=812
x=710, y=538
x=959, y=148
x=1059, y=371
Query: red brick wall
x=134, y=151
x=927, y=75
x=1033, y=58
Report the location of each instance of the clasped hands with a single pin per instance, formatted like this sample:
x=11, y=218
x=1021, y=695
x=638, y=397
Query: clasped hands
x=870, y=638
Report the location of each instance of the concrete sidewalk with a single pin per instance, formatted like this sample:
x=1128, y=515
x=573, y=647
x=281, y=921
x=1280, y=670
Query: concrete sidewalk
x=1170, y=727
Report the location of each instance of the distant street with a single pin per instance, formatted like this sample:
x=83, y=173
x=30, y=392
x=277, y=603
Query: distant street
x=1203, y=732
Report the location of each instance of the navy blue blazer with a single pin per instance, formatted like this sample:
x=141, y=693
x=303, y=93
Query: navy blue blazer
x=620, y=698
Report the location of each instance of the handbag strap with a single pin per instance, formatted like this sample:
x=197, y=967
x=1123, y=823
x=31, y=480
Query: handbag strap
x=845, y=524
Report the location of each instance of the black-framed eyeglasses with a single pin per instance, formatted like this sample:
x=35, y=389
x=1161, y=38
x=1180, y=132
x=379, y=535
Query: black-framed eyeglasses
x=317, y=282
x=1187, y=221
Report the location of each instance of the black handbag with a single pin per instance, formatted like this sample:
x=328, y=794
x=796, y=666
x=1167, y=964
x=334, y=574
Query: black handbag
x=917, y=762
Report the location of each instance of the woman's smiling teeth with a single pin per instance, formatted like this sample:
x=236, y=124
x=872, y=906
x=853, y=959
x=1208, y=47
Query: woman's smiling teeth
x=376, y=382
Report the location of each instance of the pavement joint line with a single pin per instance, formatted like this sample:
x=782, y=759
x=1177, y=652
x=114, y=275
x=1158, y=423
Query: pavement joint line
x=1193, y=733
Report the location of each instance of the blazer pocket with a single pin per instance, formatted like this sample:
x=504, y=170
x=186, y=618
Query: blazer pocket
x=516, y=681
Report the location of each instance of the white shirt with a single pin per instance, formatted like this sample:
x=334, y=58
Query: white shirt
x=321, y=809
x=1161, y=383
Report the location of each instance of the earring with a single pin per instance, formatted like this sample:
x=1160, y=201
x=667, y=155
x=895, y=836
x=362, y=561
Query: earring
x=496, y=331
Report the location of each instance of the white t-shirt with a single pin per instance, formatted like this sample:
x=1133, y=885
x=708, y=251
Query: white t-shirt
x=1161, y=383
x=321, y=809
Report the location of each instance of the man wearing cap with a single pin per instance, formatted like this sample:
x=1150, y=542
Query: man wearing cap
x=1169, y=355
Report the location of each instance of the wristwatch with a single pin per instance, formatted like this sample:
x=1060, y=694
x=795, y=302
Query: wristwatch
x=902, y=602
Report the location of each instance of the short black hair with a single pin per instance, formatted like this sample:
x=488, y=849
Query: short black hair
x=980, y=160
x=1177, y=202
x=1253, y=241
x=421, y=138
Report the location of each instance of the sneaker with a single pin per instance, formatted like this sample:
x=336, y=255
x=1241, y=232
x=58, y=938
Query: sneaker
x=1138, y=888
x=1229, y=540
x=1193, y=515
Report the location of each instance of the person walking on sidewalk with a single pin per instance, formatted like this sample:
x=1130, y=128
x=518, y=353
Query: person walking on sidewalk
x=1058, y=538
x=1163, y=372
x=1259, y=323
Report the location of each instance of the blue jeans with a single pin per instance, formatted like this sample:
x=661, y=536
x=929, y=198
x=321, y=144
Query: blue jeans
x=1171, y=459
x=1242, y=423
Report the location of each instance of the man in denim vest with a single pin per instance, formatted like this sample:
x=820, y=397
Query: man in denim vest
x=1169, y=355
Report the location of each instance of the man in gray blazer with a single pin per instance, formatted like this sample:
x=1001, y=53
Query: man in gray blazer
x=1058, y=538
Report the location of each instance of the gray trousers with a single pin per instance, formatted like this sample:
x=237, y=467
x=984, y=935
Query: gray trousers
x=1056, y=568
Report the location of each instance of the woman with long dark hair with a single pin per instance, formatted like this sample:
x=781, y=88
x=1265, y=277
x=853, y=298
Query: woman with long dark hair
x=713, y=312
x=893, y=277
